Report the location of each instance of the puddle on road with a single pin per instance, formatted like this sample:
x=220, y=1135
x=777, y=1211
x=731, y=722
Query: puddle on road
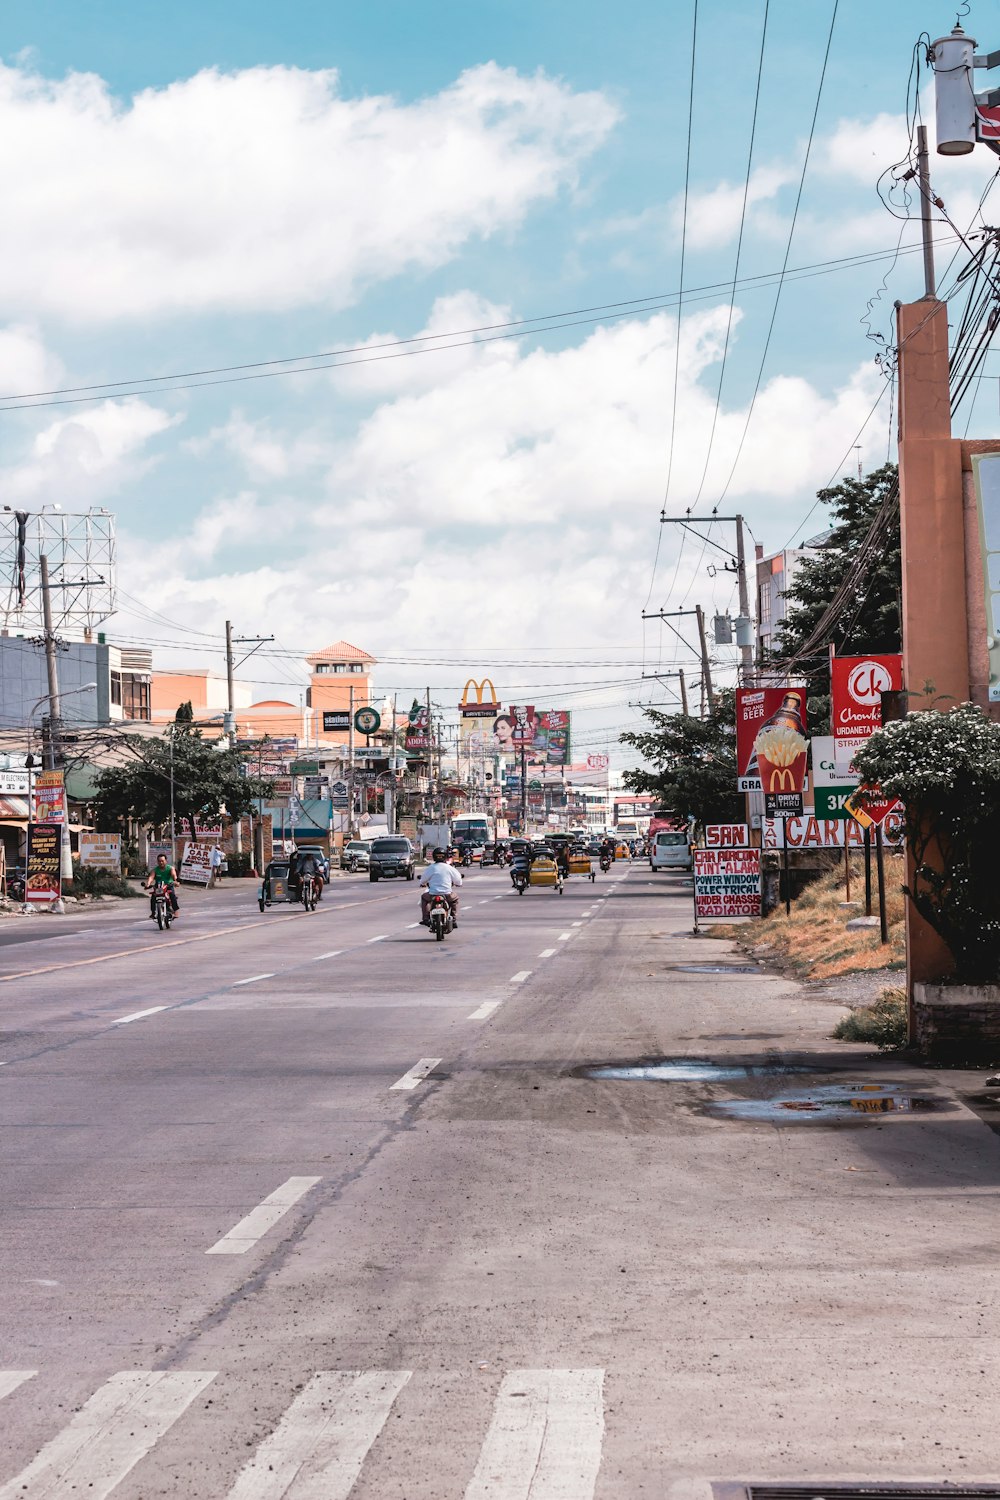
x=835, y=1101
x=716, y=968
x=686, y=1070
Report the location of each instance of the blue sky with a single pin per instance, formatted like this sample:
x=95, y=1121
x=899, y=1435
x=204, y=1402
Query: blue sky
x=193, y=186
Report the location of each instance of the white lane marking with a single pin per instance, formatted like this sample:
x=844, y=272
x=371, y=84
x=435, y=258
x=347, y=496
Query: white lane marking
x=487, y=901
x=417, y=1073
x=11, y=1379
x=138, y=1015
x=252, y=980
x=411, y=925
x=380, y=939
x=547, y=953
x=244, y=1235
x=335, y=953
x=486, y=1009
x=545, y=1437
x=108, y=1436
x=520, y=976
x=564, y=937
x=322, y=1440
x=576, y=924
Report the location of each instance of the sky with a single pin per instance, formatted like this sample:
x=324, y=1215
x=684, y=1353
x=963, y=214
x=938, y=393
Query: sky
x=485, y=205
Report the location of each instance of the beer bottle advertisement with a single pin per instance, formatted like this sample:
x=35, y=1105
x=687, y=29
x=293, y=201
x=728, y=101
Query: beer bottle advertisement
x=772, y=746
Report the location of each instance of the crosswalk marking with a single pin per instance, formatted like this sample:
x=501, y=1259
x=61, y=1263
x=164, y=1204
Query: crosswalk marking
x=108, y=1435
x=545, y=1436
x=11, y=1379
x=317, y=1449
x=244, y=1235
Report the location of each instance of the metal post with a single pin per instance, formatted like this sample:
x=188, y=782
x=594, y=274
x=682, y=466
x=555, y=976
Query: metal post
x=788, y=880
x=746, y=652
x=350, y=765
x=705, y=663
x=847, y=864
x=49, y=747
x=926, y=203
x=524, y=790
x=882, y=920
x=868, y=872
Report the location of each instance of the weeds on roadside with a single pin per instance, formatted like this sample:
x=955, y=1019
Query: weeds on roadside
x=883, y=1023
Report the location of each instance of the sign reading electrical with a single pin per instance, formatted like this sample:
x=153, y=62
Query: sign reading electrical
x=858, y=685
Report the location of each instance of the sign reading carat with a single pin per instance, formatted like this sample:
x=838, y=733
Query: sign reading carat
x=858, y=683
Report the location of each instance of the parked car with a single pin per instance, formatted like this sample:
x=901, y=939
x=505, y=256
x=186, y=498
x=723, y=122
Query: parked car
x=670, y=850
x=356, y=855
x=391, y=857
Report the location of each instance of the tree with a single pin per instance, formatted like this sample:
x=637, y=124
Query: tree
x=869, y=621
x=206, y=781
x=693, y=760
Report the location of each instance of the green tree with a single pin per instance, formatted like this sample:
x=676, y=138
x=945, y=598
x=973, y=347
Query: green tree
x=206, y=781
x=693, y=762
x=869, y=620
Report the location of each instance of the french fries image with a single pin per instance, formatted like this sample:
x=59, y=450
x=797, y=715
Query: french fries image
x=779, y=750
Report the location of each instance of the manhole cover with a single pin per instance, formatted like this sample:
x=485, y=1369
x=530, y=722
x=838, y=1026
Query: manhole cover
x=716, y=968
x=685, y=1070
x=834, y=1101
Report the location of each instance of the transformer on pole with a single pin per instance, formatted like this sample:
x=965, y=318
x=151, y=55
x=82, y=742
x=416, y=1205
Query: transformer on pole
x=963, y=117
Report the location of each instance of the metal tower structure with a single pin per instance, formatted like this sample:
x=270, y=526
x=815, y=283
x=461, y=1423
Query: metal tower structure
x=82, y=558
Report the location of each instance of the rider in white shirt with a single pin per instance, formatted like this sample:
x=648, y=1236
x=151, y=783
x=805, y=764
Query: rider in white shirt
x=441, y=879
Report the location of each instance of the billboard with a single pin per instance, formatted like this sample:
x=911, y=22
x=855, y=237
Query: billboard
x=550, y=745
x=43, y=880
x=522, y=727
x=101, y=851
x=48, y=797
x=857, y=684
x=727, y=882
x=418, y=727
x=476, y=703
x=771, y=745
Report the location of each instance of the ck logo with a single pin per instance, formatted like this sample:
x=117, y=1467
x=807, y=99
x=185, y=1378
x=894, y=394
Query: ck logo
x=867, y=682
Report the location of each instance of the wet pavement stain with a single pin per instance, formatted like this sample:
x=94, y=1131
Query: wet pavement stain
x=830, y=1102
x=686, y=1070
x=715, y=968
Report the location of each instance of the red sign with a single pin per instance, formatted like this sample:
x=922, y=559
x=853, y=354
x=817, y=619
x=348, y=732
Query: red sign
x=727, y=883
x=858, y=683
x=756, y=709
x=727, y=836
x=823, y=833
x=523, y=732
x=866, y=807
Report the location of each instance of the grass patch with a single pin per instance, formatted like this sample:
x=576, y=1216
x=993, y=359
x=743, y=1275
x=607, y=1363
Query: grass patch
x=814, y=940
x=883, y=1023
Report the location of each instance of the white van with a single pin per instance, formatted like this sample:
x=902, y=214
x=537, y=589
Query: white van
x=670, y=850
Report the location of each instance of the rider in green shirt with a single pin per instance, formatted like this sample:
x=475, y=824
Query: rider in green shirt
x=163, y=874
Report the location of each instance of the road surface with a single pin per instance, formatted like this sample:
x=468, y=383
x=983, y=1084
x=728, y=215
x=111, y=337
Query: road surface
x=309, y=1205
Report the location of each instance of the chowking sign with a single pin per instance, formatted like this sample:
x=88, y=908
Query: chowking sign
x=418, y=727
x=858, y=683
x=476, y=703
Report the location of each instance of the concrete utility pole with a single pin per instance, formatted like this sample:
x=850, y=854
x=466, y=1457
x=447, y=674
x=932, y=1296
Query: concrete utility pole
x=350, y=765
x=706, y=666
x=231, y=698
x=926, y=203
x=746, y=644
x=49, y=746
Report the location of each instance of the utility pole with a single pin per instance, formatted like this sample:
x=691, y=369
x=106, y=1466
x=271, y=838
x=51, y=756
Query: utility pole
x=746, y=645
x=230, y=699
x=737, y=566
x=706, y=666
x=926, y=204
x=52, y=671
x=350, y=764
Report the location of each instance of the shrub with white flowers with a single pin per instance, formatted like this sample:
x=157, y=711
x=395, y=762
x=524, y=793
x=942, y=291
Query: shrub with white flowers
x=945, y=769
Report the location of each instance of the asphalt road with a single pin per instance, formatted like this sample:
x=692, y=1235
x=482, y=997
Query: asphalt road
x=311, y=1205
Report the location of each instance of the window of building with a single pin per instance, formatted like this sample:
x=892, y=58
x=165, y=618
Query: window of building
x=765, y=603
x=323, y=668
x=357, y=666
x=136, y=696
x=116, y=688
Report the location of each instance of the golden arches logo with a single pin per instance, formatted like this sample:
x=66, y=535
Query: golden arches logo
x=474, y=701
x=782, y=779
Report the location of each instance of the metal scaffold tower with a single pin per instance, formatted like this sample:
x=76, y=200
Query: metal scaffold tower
x=82, y=569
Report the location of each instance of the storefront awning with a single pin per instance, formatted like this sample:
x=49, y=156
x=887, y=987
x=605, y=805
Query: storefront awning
x=13, y=810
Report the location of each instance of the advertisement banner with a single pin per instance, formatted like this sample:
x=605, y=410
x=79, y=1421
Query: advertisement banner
x=282, y=788
x=824, y=833
x=101, y=851
x=196, y=864
x=727, y=883
x=48, y=797
x=523, y=726
x=857, y=685
x=598, y=762
x=831, y=787
x=418, y=729
x=550, y=744
x=15, y=783
x=42, y=880
x=727, y=836
x=478, y=703
x=333, y=720
x=759, y=709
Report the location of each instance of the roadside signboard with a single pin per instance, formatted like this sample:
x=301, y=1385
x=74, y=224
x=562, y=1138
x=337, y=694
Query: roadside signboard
x=101, y=851
x=857, y=684
x=598, y=762
x=339, y=793
x=333, y=720
x=15, y=783
x=757, y=711
x=727, y=882
x=870, y=810
x=823, y=833
x=418, y=727
x=523, y=732
x=283, y=787
x=368, y=720
x=831, y=787
x=727, y=836
x=42, y=880
x=48, y=797
x=196, y=864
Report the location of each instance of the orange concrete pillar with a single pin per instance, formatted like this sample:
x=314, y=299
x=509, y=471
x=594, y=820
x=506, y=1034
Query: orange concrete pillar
x=935, y=626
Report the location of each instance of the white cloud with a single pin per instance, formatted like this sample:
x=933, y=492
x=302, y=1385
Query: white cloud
x=80, y=460
x=266, y=188
x=26, y=365
x=713, y=217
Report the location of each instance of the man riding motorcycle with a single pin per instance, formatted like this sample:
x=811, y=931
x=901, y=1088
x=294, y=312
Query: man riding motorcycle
x=163, y=875
x=520, y=864
x=301, y=863
x=441, y=879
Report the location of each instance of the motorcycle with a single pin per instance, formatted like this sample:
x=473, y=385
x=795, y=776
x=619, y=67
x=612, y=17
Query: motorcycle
x=163, y=909
x=519, y=880
x=466, y=859
x=308, y=896
x=605, y=863
x=440, y=918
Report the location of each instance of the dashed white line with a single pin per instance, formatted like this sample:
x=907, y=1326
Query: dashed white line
x=138, y=1015
x=411, y=925
x=252, y=980
x=576, y=924
x=564, y=937
x=416, y=1074
x=546, y=953
x=244, y=1235
x=380, y=939
x=520, y=976
x=334, y=953
x=486, y=1009
x=11, y=1379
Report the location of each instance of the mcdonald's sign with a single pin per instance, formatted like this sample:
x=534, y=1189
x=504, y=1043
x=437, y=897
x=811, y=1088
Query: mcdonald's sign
x=475, y=703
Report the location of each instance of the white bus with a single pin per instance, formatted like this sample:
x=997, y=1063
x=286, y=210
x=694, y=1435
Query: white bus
x=475, y=829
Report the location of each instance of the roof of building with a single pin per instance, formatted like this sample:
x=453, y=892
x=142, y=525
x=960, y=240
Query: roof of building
x=339, y=651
